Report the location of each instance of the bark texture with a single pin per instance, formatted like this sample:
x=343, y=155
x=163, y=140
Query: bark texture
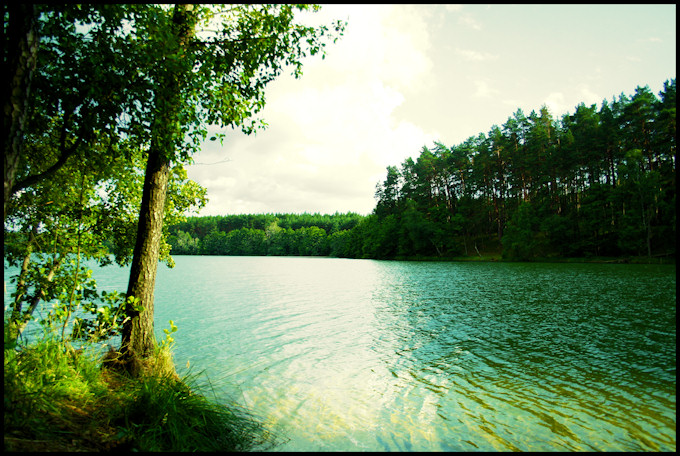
x=138, y=338
x=20, y=53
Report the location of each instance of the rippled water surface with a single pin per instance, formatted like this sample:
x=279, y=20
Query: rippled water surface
x=367, y=355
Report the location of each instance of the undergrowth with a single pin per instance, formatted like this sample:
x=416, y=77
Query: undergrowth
x=57, y=398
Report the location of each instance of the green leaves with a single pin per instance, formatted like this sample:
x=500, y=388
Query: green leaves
x=172, y=329
x=169, y=340
x=111, y=82
x=233, y=64
x=596, y=183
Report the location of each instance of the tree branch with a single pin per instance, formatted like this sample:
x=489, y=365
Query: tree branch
x=66, y=153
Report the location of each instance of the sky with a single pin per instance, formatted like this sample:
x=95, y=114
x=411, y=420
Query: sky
x=405, y=76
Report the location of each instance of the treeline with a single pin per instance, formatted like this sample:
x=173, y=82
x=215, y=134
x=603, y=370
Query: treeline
x=263, y=234
x=599, y=182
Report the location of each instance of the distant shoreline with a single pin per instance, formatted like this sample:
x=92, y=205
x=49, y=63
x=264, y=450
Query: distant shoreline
x=667, y=259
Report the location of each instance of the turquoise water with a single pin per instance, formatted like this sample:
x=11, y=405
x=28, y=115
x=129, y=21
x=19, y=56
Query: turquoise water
x=362, y=355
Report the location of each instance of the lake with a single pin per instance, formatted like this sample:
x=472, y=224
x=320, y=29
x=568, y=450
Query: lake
x=363, y=355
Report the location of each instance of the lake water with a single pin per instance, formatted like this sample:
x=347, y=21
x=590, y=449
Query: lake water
x=362, y=355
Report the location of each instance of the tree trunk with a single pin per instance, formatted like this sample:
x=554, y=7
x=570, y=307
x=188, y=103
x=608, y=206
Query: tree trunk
x=20, y=56
x=138, y=338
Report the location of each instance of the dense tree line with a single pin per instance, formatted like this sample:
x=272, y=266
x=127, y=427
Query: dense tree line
x=598, y=182
x=262, y=234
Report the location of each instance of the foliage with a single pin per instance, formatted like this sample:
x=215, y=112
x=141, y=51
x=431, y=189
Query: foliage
x=263, y=234
x=169, y=340
x=523, y=239
x=93, y=220
x=58, y=398
x=77, y=191
x=95, y=110
x=118, y=92
x=595, y=183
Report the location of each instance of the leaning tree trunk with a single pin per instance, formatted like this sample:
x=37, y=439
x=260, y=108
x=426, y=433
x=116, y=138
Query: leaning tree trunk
x=138, y=338
x=20, y=53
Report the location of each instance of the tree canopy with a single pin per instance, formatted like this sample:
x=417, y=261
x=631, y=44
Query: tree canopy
x=598, y=182
x=263, y=234
x=108, y=104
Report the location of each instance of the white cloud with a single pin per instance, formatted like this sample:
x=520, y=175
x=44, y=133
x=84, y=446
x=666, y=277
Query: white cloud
x=475, y=56
x=559, y=104
x=470, y=22
x=384, y=41
x=361, y=110
x=484, y=90
x=220, y=182
x=454, y=8
x=378, y=97
x=556, y=104
x=587, y=96
x=465, y=19
x=332, y=132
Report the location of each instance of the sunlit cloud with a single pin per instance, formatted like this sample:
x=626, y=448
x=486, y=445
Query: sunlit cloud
x=556, y=104
x=454, y=8
x=587, y=96
x=335, y=129
x=391, y=85
x=469, y=21
x=475, y=55
x=465, y=19
x=484, y=90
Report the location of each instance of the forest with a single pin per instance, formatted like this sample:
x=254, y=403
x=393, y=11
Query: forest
x=596, y=183
x=262, y=234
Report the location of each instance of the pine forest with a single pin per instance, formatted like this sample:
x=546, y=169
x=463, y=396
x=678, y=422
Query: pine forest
x=596, y=183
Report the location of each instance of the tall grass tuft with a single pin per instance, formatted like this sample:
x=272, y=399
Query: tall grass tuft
x=61, y=399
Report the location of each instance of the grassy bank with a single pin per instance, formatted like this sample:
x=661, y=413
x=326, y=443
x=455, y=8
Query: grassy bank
x=57, y=398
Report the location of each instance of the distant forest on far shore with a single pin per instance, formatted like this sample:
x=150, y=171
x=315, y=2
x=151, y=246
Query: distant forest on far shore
x=262, y=234
x=598, y=182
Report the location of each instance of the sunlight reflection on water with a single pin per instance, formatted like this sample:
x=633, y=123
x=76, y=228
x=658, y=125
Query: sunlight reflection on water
x=366, y=355
x=400, y=356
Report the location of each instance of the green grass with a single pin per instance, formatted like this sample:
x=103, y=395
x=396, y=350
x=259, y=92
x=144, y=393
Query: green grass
x=60, y=399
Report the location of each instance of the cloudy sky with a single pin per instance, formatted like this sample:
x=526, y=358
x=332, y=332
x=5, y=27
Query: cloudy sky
x=404, y=76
